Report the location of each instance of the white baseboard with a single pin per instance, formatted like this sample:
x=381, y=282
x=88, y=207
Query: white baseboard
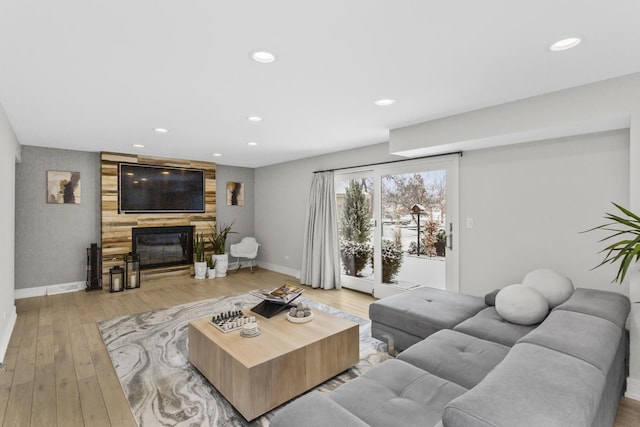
x=63, y=288
x=39, y=291
x=633, y=388
x=280, y=269
x=6, y=334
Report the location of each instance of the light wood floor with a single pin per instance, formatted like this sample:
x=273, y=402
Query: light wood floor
x=58, y=370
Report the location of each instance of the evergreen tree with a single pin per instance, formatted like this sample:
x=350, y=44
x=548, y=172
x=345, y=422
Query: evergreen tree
x=356, y=214
x=355, y=225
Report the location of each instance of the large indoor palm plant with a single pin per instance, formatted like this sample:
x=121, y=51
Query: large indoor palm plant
x=625, y=251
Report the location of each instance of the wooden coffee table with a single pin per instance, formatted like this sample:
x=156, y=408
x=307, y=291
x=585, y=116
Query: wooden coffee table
x=260, y=373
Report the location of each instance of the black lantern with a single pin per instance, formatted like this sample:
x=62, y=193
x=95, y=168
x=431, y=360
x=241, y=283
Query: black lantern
x=116, y=279
x=132, y=270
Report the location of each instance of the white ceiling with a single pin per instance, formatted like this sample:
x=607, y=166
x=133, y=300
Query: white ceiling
x=100, y=75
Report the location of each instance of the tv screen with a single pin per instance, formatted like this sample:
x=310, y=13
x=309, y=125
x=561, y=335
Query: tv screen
x=157, y=189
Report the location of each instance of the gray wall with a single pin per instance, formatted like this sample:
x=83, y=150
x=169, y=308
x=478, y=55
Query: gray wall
x=47, y=233
x=9, y=152
x=51, y=239
x=529, y=203
x=241, y=216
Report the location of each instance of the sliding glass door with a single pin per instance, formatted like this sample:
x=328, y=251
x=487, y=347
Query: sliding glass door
x=397, y=226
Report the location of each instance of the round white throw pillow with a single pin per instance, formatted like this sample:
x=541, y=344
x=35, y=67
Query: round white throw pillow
x=555, y=287
x=521, y=304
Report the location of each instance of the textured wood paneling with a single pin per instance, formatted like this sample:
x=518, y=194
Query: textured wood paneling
x=116, y=227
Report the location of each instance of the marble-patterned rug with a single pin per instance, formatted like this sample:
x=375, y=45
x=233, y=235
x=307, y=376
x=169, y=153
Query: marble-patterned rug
x=150, y=354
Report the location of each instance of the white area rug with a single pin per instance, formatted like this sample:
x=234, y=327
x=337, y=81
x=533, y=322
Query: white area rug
x=150, y=354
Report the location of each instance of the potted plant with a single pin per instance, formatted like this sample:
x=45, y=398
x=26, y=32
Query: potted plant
x=211, y=267
x=199, y=265
x=218, y=242
x=625, y=251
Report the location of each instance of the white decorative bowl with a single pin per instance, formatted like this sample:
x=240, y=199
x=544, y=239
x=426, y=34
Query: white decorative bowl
x=300, y=319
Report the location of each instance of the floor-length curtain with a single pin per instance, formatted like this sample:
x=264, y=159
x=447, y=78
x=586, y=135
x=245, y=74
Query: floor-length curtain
x=320, y=259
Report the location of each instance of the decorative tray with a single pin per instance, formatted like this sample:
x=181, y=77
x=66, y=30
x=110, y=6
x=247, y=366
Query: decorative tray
x=299, y=319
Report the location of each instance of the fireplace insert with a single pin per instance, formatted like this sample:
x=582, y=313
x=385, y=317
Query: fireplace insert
x=163, y=246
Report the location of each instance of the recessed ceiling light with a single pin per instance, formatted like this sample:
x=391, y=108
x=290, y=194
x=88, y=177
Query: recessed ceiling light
x=565, y=44
x=217, y=155
x=254, y=118
x=262, y=56
x=384, y=102
x=161, y=130
x=138, y=145
x=252, y=143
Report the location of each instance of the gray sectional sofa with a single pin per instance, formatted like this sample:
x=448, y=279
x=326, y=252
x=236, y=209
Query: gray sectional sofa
x=462, y=365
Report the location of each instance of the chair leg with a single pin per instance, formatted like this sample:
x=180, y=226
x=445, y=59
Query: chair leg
x=237, y=265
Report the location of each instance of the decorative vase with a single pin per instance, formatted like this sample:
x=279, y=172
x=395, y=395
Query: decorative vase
x=222, y=263
x=200, y=268
x=211, y=273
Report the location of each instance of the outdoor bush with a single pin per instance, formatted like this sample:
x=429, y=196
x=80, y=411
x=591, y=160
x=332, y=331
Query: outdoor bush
x=354, y=256
x=392, y=257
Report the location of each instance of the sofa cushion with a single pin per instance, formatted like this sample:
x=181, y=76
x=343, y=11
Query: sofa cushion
x=580, y=335
x=555, y=287
x=521, y=304
x=607, y=305
x=456, y=357
x=533, y=386
x=488, y=325
x=315, y=409
x=490, y=298
x=395, y=393
x=423, y=311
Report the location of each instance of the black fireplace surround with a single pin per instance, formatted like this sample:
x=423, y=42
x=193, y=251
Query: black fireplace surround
x=163, y=246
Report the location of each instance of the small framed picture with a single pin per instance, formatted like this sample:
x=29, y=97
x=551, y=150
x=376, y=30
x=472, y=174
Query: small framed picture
x=235, y=193
x=63, y=187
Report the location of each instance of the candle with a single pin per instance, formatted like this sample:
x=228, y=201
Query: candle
x=132, y=281
x=116, y=283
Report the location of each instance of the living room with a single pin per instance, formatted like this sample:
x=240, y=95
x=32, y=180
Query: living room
x=534, y=174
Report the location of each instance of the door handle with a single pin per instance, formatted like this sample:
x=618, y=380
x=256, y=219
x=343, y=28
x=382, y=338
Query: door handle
x=450, y=237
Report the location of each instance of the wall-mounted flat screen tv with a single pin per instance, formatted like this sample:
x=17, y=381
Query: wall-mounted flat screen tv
x=158, y=189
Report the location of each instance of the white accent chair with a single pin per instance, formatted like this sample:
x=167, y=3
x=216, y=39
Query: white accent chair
x=247, y=248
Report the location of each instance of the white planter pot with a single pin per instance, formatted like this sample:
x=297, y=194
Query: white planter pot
x=211, y=273
x=200, y=268
x=222, y=263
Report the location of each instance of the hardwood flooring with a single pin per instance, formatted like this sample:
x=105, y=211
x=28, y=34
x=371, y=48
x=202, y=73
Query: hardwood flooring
x=58, y=370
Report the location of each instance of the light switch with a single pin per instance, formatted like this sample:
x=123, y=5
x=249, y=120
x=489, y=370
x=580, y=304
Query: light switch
x=469, y=222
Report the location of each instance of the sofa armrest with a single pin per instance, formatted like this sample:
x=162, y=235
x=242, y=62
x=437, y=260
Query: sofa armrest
x=315, y=410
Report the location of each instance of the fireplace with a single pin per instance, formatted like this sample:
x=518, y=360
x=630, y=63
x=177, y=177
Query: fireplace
x=163, y=246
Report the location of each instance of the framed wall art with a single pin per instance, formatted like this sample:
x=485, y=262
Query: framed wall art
x=235, y=193
x=63, y=187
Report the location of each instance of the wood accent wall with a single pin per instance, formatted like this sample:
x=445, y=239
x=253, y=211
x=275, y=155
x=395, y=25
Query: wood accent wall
x=116, y=227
